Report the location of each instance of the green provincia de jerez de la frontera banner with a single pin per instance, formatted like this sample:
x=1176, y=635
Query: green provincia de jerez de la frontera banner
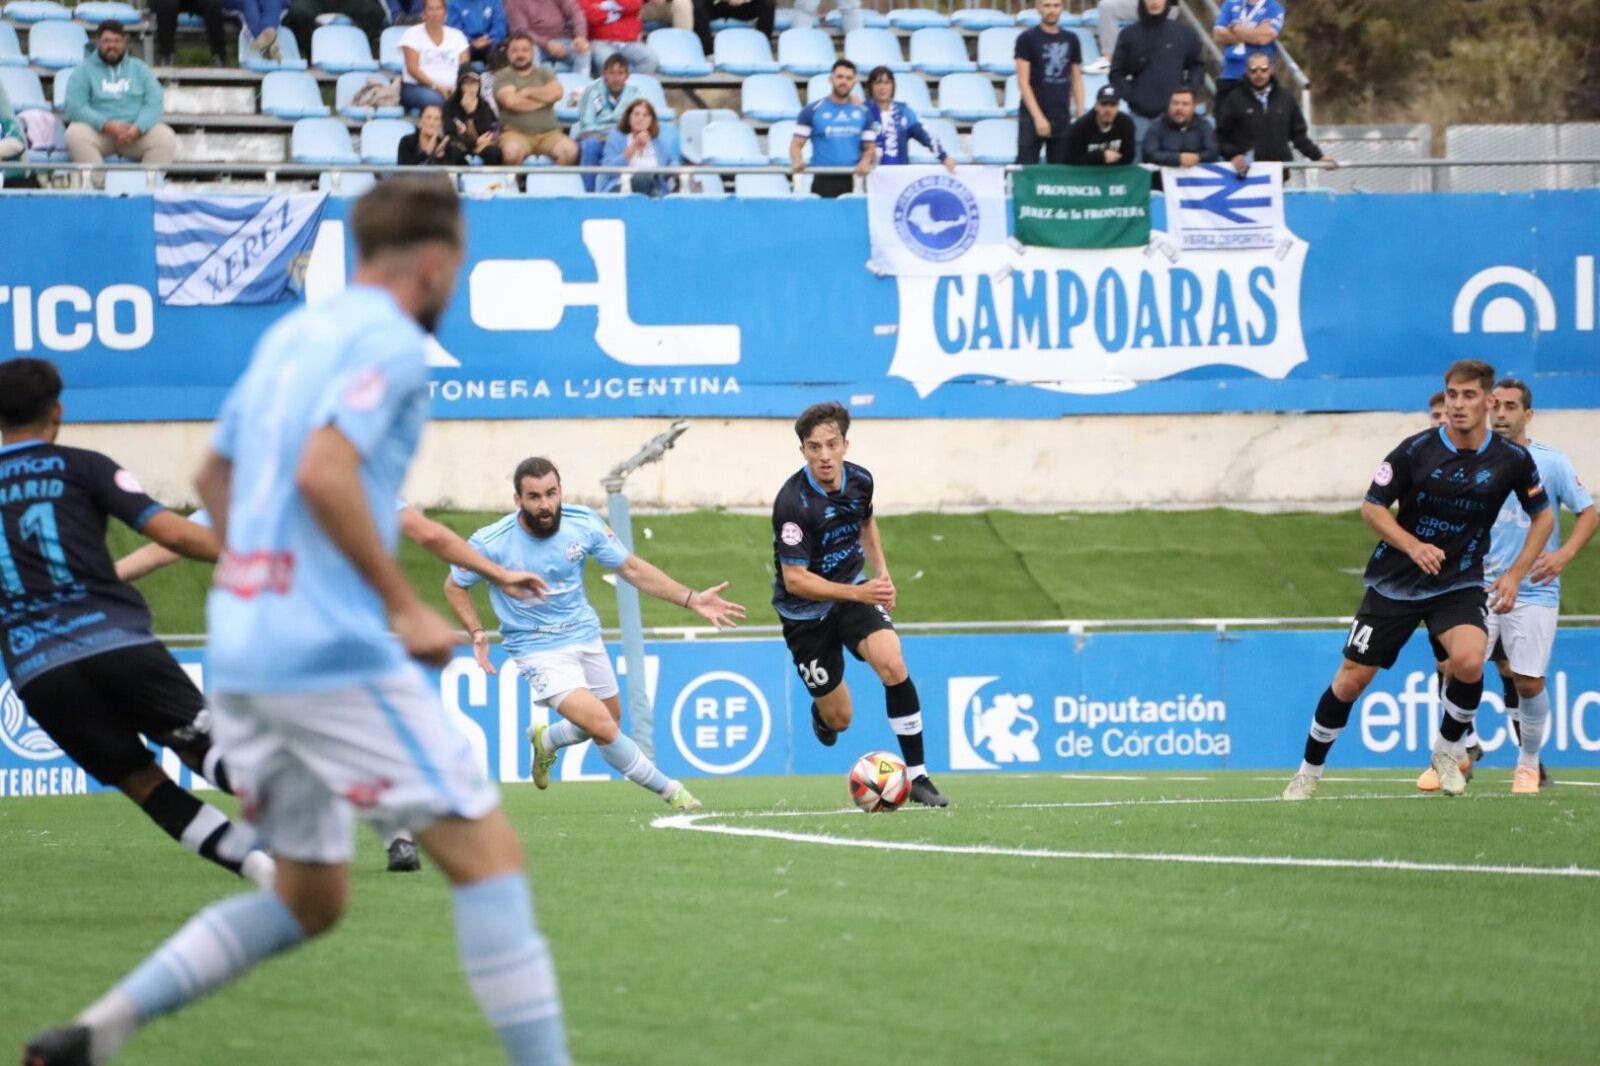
x=1082, y=207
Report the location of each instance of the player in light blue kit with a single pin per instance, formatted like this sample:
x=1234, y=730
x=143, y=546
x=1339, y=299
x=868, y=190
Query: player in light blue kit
x=556, y=643
x=320, y=709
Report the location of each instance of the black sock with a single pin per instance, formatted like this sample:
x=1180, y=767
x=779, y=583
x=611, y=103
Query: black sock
x=1326, y=725
x=905, y=718
x=215, y=770
x=816, y=716
x=1461, y=697
x=198, y=826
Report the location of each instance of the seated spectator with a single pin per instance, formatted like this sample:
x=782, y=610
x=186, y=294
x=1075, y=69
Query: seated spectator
x=304, y=16
x=527, y=96
x=898, y=124
x=114, y=106
x=1154, y=56
x=405, y=12
x=1180, y=138
x=1259, y=123
x=1104, y=137
x=614, y=29
x=678, y=13
x=433, y=53
x=599, y=110
x=1245, y=28
x=762, y=12
x=471, y=123
x=637, y=142
x=166, y=13
x=1112, y=14
x=428, y=145
x=558, y=28
x=483, y=23
x=261, y=18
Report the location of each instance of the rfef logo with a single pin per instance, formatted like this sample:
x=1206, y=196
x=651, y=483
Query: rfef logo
x=20, y=732
x=721, y=722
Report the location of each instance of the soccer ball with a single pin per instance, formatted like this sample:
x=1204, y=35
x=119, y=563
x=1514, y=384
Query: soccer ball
x=879, y=782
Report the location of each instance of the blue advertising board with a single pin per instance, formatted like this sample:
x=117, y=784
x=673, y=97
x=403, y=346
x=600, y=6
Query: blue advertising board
x=607, y=307
x=990, y=703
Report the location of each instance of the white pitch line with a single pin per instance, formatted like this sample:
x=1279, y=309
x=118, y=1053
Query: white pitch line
x=1182, y=801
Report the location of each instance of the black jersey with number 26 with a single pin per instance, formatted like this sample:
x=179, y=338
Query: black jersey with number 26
x=1448, y=498
x=820, y=531
x=60, y=599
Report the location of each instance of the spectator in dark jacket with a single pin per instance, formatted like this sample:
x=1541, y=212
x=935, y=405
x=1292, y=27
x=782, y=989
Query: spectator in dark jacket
x=1155, y=56
x=1180, y=138
x=1104, y=137
x=1261, y=120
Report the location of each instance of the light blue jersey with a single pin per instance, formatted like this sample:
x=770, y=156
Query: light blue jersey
x=1510, y=530
x=564, y=617
x=288, y=612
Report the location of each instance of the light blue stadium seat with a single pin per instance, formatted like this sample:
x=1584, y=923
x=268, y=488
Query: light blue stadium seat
x=1029, y=17
x=380, y=139
x=875, y=20
x=54, y=45
x=1092, y=83
x=338, y=49
x=944, y=131
x=555, y=185
x=997, y=49
x=24, y=89
x=651, y=89
x=980, y=18
x=481, y=186
x=805, y=51
x=692, y=126
x=678, y=54
x=1089, y=42
x=11, y=54
x=58, y=88
x=291, y=94
x=940, y=51
x=762, y=186
x=704, y=185
x=31, y=11
x=968, y=97
x=321, y=140
x=874, y=48
x=133, y=182
x=389, y=54
x=345, y=90
x=731, y=144
x=743, y=51
x=782, y=19
x=994, y=140
x=818, y=86
x=779, y=136
x=769, y=98
x=288, y=50
x=1013, y=97
x=916, y=18
x=347, y=184
x=94, y=12
x=912, y=91
x=572, y=86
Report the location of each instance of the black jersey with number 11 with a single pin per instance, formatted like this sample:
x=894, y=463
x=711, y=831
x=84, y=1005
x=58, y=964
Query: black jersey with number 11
x=820, y=531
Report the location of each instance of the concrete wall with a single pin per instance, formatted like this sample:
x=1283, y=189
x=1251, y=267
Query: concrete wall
x=1238, y=460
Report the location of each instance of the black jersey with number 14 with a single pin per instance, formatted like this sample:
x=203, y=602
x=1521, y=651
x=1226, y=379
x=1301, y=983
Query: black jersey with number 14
x=1448, y=498
x=820, y=531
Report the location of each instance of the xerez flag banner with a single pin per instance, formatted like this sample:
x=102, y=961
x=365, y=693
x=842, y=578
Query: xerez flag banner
x=1082, y=207
x=233, y=250
x=1211, y=207
x=927, y=221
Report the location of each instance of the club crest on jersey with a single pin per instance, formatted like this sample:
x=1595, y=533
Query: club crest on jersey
x=790, y=534
x=574, y=552
x=127, y=482
x=1385, y=474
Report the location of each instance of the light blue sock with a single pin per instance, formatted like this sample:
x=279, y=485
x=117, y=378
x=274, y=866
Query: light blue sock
x=563, y=734
x=508, y=966
x=624, y=756
x=1534, y=714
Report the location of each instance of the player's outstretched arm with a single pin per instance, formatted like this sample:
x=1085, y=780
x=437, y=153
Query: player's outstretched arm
x=707, y=603
x=872, y=545
x=1549, y=566
x=442, y=542
x=466, y=612
x=144, y=561
x=1428, y=557
x=182, y=537
x=1503, y=593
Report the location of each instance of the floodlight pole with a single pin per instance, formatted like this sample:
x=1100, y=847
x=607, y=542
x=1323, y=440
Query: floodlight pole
x=628, y=615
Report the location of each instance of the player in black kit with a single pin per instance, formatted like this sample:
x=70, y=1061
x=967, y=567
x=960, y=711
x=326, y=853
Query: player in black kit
x=78, y=644
x=823, y=534
x=1428, y=567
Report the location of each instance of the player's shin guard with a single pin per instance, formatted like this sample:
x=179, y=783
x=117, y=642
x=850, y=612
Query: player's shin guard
x=1534, y=714
x=199, y=826
x=508, y=966
x=1326, y=725
x=905, y=718
x=1461, y=699
x=624, y=756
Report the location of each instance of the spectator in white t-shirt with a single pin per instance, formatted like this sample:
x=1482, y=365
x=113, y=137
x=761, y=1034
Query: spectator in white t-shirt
x=433, y=54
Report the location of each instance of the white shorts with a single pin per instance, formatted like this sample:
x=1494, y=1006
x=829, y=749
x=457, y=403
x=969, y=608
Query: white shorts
x=1528, y=632
x=306, y=763
x=557, y=672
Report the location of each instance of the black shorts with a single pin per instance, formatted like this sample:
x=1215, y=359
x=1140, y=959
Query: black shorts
x=96, y=709
x=1383, y=626
x=817, y=645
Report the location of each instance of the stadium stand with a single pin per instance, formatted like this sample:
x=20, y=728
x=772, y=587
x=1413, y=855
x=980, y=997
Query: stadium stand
x=917, y=18
x=805, y=51
x=731, y=144
x=291, y=94
x=868, y=48
x=55, y=45
x=769, y=98
x=938, y=51
x=743, y=51
x=11, y=53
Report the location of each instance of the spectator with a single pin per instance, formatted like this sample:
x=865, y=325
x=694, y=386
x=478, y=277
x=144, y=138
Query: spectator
x=1245, y=28
x=558, y=28
x=637, y=143
x=1153, y=57
x=898, y=124
x=1258, y=123
x=470, y=122
x=614, y=29
x=114, y=106
x=841, y=132
x=601, y=106
x=433, y=53
x=428, y=145
x=482, y=23
x=679, y=13
x=527, y=96
x=762, y=12
x=805, y=14
x=1180, y=138
x=261, y=18
x=1111, y=15
x=1104, y=137
x=1050, y=76
x=12, y=141
x=304, y=16
x=166, y=13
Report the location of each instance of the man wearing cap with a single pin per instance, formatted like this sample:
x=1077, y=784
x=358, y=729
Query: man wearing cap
x=1104, y=137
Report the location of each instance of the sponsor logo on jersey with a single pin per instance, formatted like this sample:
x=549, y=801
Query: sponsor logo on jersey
x=791, y=534
x=1385, y=474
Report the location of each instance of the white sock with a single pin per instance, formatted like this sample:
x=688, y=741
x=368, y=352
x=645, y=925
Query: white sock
x=563, y=734
x=916, y=771
x=1309, y=770
x=1535, y=715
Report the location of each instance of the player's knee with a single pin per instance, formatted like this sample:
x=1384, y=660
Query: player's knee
x=1352, y=680
x=318, y=909
x=606, y=729
x=1468, y=668
x=1529, y=687
x=892, y=671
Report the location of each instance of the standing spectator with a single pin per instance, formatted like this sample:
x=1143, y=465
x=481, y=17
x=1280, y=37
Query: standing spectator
x=1104, y=137
x=368, y=15
x=166, y=13
x=558, y=28
x=482, y=23
x=428, y=145
x=841, y=132
x=1259, y=122
x=898, y=124
x=1050, y=76
x=1245, y=28
x=527, y=96
x=114, y=106
x=433, y=54
x=1111, y=14
x=599, y=109
x=637, y=143
x=471, y=123
x=614, y=29
x=762, y=12
x=261, y=18
x=1154, y=56
x=1180, y=138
